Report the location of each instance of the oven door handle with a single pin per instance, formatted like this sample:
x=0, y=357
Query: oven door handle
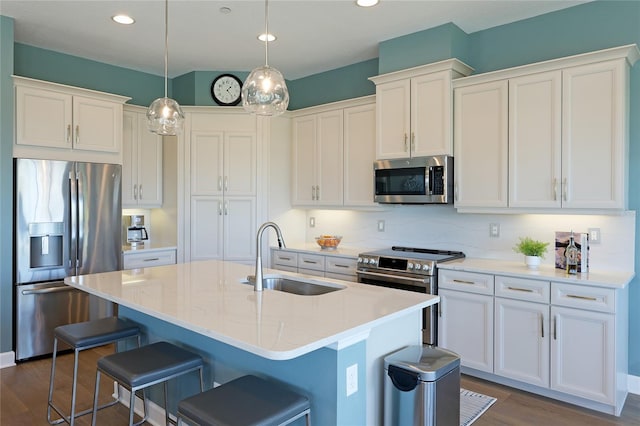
x=395, y=277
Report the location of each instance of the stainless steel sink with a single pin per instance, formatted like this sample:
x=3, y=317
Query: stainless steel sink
x=295, y=285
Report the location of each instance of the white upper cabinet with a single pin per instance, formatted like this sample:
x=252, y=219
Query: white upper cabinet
x=535, y=107
x=141, y=162
x=481, y=145
x=359, y=154
x=594, y=135
x=62, y=122
x=414, y=110
x=333, y=153
x=562, y=124
x=318, y=155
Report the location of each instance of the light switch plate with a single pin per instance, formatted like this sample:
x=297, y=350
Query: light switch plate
x=381, y=226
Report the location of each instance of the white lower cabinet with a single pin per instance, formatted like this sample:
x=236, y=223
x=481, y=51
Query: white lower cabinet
x=319, y=265
x=465, y=323
x=148, y=258
x=567, y=340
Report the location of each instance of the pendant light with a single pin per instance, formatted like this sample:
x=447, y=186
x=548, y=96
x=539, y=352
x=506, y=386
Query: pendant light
x=165, y=117
x=265, y=91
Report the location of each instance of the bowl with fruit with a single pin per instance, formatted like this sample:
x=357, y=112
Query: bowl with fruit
x=328, y=242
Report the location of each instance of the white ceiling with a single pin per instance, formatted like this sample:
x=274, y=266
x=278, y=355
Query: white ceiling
x=313, y=35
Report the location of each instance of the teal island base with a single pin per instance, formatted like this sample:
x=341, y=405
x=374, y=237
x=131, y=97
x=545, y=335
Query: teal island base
x=321, y=374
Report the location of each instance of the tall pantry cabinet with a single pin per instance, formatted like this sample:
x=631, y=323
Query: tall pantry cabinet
x=220, y=201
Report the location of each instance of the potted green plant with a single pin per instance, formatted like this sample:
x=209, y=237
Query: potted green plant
x=533, y=251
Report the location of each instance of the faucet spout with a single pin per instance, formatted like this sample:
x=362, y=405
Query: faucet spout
x=281, y=244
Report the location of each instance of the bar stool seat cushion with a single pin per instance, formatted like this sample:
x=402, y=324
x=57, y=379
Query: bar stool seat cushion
x=97, y=332
x=148, y=364
x=248, y=400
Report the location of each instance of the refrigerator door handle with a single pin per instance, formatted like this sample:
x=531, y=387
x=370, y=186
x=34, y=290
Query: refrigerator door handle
x=48, y=290
x=80, y=218
x=73, y=220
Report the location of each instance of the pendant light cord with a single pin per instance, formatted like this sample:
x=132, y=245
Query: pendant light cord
x=166, y=44
x=266, y=32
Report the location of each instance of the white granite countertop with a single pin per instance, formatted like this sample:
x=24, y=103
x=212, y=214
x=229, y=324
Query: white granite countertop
x=147, y=248
x=598, y=278
x=315, y=248
x=207, y=297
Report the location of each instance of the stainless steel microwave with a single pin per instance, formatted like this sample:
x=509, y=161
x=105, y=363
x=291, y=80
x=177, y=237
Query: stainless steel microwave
x=420, y=180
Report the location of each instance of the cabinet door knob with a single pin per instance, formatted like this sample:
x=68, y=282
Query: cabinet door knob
x=406, y=144
x=68, y=133
x=135, y=192
x=77, y=133
x=555, y=189
x=140, y=191
x=317, y=192
x=219, y=183
x=413, y=141
x=564, y=189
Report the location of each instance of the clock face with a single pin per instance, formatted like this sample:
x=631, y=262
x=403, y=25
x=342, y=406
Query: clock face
x=226, y=90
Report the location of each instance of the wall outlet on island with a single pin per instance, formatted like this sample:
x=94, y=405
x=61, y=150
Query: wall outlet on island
x=352, y=379
x=594, y=235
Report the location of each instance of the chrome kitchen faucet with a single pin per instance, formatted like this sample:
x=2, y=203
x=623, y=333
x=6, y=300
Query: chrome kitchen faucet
x=258, y=276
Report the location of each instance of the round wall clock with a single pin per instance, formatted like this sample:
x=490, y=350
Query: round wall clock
x=226, y=90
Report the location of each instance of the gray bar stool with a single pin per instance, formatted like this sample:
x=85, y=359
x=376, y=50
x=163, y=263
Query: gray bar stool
x=82, y=336
x=246, y=401
x=146, y=366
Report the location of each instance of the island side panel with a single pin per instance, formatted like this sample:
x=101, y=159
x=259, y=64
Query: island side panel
x=321, y=374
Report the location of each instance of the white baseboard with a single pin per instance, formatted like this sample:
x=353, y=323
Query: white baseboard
x=7, y=359
x=633, y=384
x=156, y=412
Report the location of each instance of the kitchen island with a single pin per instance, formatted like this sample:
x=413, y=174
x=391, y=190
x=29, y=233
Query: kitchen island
x=306, y=341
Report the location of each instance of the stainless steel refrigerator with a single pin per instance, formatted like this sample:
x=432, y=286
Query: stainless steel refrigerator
x=67, y=222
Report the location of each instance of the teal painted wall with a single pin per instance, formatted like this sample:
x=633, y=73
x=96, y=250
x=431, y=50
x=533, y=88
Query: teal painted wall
x=57, y=67
x=318, y=374
x=424, y=47
x=6, y=183
x=335, y=85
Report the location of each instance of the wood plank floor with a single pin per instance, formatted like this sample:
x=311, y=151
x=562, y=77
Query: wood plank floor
x=23, y=399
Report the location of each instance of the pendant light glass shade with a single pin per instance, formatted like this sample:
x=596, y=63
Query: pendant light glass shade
x=164, y=116
x=265, y=91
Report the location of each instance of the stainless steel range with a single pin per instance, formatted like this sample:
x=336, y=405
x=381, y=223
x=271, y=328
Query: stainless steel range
x=408, y=268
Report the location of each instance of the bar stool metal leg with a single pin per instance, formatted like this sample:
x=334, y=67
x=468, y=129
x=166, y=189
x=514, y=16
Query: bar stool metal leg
x=141, y=368
x=83, y=336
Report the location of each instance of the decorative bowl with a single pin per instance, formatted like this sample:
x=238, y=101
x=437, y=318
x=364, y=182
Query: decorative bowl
x=328, y=242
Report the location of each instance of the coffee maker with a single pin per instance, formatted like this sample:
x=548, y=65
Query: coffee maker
x=136, y=232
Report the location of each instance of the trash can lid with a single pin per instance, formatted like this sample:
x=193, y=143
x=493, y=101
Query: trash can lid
x=429, y=362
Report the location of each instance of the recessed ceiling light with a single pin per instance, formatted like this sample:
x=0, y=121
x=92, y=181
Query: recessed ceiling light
x=264, y=36
x=367, y=3
x=123, y=19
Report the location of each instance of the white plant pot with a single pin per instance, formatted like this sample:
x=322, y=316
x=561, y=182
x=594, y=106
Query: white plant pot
x=532, y=262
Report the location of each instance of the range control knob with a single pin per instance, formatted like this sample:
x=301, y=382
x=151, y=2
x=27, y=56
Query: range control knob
x=410, y=265
x=373, y=261
x=425, y=267
x=359, y=260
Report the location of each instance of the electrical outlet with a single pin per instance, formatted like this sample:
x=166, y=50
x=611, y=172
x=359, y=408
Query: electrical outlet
x=494, y=230
x=312, y=222
x=594, y=235
x=352, y=379
x=381, y=226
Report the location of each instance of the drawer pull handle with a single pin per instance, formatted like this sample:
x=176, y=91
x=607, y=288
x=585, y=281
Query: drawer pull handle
x=337, y=265
x=526, y=290
x=542, y=326
x=464, y=282
x=151, y=259
x=310, y=261
x=284, y=258
x=589, y=298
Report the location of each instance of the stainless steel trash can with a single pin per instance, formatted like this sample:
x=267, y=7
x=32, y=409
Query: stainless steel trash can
x=422, y=387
